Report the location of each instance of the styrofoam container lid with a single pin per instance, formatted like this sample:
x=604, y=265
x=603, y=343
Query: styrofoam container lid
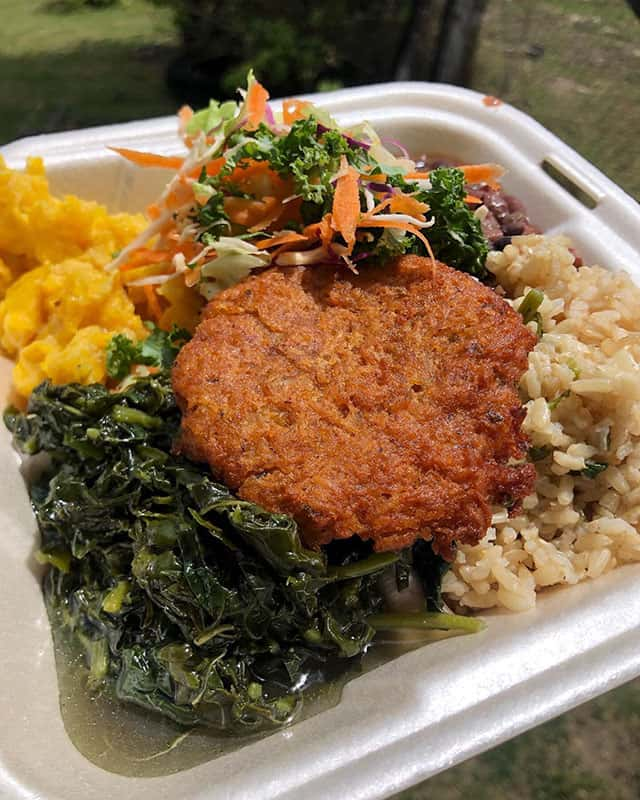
x=430, y=708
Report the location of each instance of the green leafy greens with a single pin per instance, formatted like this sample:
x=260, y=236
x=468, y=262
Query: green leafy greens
x=159, y=349
x=186, y=600
x=592, y=468
x=456, y=236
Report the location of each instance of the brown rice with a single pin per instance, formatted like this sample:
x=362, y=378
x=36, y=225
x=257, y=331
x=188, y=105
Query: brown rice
x=582, y=394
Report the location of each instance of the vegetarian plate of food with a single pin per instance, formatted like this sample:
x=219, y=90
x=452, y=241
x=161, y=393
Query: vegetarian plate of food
x=324, y=401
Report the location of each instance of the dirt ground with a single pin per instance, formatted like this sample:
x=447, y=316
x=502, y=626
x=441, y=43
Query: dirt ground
x=574, y=66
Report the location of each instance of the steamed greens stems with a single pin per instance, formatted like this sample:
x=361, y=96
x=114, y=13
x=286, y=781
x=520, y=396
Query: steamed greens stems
x=184, y=599
x=426, y=621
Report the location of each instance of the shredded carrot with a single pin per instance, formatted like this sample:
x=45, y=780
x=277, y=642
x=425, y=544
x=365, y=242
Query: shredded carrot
x=286, y=237
x=214, y=167
x=293, y=110
x=181, y=194
x=346, y=205
x=147, y=271
x=149, y=159
x=257, y=97
x=253, y=214
x=482, y=173
x=249, y=170
x=153, y=211
x=426, y=243
x=290, y=213
x=273, y=212
x=372, y=222
x=311, y=231
x=326, y=229
x=258, y=179
x=184, y=114
x=286, y=248
x=405, y=204
x=188, y=249
x=416, y=176
x=380, y=207
x=167, y=228
x=472, y=200
x=152, y=302
x=192, y=276
x=473, y=173
x=145, y=256
x=322, y=230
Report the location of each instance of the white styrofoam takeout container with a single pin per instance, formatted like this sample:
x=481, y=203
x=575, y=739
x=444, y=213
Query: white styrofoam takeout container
x=428, y=709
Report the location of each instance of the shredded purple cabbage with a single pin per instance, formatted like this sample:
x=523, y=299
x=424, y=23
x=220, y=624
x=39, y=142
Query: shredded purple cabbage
x=350, y=140
x=356, y=142
x=397, y=144
x=333, y=257
x=380, y=187
x=269, y=115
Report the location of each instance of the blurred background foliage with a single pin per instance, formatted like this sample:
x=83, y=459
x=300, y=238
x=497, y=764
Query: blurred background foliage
x=297, y=49
x=571, y=64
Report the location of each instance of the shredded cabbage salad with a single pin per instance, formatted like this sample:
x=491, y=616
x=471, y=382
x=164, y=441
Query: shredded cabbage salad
x=258, y=188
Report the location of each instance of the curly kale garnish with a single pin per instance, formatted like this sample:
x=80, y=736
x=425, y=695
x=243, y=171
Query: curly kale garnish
x=159, y=349
x=391, y=244
x=213, y=218
x=308, y=155
x=456, y=236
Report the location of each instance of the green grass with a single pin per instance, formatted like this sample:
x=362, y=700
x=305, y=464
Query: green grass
x=88, y=67
x=38, y=27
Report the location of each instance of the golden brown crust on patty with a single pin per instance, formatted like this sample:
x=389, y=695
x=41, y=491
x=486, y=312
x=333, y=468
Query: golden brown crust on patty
x=382, y=405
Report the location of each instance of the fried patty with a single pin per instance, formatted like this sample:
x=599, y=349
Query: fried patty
x=382, y=405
